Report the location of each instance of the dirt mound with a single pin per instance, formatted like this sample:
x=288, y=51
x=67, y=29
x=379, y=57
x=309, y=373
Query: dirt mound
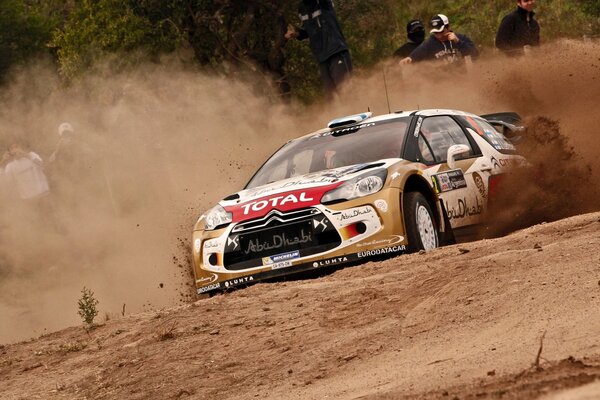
x=464, y=321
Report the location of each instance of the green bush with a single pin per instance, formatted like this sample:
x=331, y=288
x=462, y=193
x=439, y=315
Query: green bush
x=24, y=33
x=227, y=36
x=87, y=306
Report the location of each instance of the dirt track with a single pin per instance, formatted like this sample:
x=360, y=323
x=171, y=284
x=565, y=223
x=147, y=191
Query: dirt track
x=449, y=324
x=464, y=321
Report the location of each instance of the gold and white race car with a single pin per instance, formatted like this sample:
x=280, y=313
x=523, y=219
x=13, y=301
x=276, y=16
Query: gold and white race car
x=364, y=186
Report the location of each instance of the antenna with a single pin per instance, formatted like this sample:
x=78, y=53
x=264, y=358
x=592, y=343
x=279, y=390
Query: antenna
x=386, y=91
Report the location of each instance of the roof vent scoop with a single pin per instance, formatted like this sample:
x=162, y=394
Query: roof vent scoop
x=349, y=120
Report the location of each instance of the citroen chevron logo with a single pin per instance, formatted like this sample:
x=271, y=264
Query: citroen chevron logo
x=235, y=240
x=320, y=223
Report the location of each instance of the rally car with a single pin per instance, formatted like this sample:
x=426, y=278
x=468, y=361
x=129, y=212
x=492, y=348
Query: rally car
x=364, y=186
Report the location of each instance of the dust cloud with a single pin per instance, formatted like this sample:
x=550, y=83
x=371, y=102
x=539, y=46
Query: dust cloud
x=155, y=148
x=151, y=150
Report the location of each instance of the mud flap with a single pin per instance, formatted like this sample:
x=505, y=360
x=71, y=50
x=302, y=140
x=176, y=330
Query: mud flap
x=446, y=237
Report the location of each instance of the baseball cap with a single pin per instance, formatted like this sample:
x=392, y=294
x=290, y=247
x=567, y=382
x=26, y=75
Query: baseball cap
x=438, y=22
x=65, y=128
x=414, y=26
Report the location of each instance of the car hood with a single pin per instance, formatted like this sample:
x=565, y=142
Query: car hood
x=297, y=192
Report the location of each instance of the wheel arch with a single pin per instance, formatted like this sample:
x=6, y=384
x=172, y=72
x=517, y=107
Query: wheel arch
x=417, y=183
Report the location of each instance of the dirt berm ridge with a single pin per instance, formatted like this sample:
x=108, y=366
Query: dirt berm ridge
x=512, y=318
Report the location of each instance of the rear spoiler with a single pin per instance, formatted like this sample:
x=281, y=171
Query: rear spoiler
x=508, y=123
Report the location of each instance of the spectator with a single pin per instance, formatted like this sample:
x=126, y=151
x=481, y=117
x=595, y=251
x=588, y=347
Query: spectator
x=3, y=178
x=415, y=32
x=76, y=172
x=443, y=44
x=518, y=29
x=320, y=26
x=65, y=139
x=24, y=172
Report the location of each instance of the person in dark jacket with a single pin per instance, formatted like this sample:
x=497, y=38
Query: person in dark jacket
x=320, y=26
x=443, y=44
x=518, y=29
x=415, y=32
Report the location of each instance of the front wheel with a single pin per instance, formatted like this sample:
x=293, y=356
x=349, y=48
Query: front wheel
x=420, y=223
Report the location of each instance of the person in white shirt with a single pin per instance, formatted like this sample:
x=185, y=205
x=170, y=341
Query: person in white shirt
x=24, y=173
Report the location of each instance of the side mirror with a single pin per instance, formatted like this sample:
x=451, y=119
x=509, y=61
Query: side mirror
x=454, y=151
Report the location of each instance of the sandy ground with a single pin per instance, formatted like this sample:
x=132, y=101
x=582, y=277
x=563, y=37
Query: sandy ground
x=512, y=318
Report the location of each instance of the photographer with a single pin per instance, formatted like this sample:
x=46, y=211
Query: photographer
x=443, y=44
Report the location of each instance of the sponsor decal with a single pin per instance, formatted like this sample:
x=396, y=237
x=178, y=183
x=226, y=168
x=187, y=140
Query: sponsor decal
x=507, y=162
x=480, y=185
x=323, y=179
x=284, y=264
x=345, y=130
x=207, y=279
x=210, y=244
x=389, y=241
x=495, y=162
x=281, y=257
x=418, y=127
x=449, y=180
x=355, y=213
x=283, y=202
x=208, y=288
x=259, y=205
x=382, y=204
x=277, y=241
x=464, y=209
x=385, y=250
x=197, y=244
x=396, y=175
x=330, y=261
x=511, y=162
x=238, y=281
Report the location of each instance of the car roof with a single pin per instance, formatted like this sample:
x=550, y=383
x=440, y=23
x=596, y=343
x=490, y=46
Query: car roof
x=397, y=114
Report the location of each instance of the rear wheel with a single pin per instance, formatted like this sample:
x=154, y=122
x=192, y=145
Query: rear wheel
x=421, y=227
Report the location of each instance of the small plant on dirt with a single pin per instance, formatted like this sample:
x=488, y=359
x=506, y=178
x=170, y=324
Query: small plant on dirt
x=166, y=333
x=87, y=306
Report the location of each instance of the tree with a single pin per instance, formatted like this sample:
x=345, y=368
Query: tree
x=23, y=34
x=95, y=28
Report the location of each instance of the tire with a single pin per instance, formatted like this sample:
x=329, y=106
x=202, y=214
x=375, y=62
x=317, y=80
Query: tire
x=420, y=224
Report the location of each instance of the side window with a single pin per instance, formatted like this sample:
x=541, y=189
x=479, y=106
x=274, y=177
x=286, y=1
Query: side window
x=492, y=136
x=440, y=133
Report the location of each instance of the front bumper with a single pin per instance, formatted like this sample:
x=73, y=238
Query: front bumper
x=300, y=240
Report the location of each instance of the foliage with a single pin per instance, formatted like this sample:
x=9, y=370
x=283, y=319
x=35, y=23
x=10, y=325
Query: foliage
x=229, y=36
x=97, y=27
x=87, y=306
x=23, y=33
x=592, y=7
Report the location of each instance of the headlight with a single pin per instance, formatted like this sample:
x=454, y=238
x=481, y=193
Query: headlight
x=360, y=186
x=215, y=217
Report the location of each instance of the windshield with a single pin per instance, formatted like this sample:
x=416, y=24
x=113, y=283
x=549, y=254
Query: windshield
x=337, y=148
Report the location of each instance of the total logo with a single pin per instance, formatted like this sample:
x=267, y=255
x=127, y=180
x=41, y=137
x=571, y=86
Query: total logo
x=331, y=261
x=276, y=201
